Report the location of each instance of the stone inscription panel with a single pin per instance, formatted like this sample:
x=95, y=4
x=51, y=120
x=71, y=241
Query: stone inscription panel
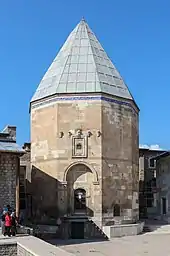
x=79, y=147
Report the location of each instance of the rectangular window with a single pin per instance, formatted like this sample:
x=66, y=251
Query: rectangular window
x=152, y=163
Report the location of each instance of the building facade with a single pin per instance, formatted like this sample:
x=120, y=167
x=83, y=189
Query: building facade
x=147, y=182
x=163, y=186
x=84, y=138
x=10, y=154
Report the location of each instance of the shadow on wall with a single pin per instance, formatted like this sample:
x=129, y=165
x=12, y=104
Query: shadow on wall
x=142, y=200
x=45, y=199
x=42, y=197
x=50, y=200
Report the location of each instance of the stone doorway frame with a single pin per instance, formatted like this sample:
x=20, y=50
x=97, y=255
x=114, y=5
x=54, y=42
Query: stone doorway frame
x=95, y=175
x=65, y=183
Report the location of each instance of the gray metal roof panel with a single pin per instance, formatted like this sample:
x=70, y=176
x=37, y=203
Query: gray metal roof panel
x=82, y=65
x=12, y=147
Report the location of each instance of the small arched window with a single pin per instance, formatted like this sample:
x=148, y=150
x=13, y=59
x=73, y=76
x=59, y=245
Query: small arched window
x=116, y=210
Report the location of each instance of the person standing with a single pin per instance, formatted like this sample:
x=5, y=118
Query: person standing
x=8, y=224
x=3, y=222
x=9, y=209
x=13, y=223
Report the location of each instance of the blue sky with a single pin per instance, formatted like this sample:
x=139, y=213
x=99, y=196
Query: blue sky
x=135, y=34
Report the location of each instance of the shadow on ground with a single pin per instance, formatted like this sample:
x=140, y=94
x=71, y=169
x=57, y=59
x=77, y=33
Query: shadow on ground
x=59, y=242
x=154, y=225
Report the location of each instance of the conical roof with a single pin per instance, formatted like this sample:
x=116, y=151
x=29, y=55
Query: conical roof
x=82, y=66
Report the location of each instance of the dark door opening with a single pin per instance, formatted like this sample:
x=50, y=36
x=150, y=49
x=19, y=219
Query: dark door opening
x=77, y=230
x=79, y=199
x=163, y=205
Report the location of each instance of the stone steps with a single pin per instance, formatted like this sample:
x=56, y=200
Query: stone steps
x=97, y=231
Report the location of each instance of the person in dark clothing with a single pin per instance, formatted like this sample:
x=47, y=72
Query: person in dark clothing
x=9, y=208
x=13, y=222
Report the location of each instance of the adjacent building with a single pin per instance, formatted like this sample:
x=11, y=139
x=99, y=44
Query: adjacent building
x=10, y=154
x=163, y=186
x=147, y=182
x=84, y=139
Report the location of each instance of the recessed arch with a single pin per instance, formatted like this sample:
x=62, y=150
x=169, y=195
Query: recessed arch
x=95, y=176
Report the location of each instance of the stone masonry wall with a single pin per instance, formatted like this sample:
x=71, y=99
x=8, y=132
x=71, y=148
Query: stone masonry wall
x=29, y=246
x=113, y=154
x=8, y=167
x=21, y=251
x=8, y=249
x=51, y=155
x=120, y=161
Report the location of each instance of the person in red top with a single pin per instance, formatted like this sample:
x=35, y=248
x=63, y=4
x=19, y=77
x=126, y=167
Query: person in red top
x=8, y=224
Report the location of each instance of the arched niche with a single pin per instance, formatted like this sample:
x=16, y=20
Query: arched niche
x=88, y=169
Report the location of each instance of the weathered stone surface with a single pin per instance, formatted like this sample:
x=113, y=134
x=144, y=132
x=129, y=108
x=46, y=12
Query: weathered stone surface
x=51, y=155
x=28, y=246
x=149, y=187
x=8, y=249
x=8, y=169
x=109, y=173
x=119, y=160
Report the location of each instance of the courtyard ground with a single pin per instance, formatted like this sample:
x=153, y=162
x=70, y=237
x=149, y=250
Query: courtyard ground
x=155, y=243
x=147, y=244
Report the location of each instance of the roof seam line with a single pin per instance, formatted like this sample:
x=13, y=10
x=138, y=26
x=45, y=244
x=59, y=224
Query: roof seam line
x=93, y=59
x=67, y=59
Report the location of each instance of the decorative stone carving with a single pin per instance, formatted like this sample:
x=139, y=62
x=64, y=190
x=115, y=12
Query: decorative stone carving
x=99, y=133
x=89, y=133
x=79, y=133
x=69, y=134
x=61, y=134
x=79, y=145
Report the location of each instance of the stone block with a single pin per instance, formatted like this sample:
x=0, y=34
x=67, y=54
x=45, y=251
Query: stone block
x=8, y=249
x=123, y=230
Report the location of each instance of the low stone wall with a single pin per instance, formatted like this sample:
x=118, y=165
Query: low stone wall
x=22, y=251
x=8, y=249
x=123, y=230
x=29, y=246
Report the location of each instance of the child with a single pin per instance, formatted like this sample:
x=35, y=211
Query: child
x=8, y=224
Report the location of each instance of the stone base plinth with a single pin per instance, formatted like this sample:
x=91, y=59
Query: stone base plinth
x=123, y=230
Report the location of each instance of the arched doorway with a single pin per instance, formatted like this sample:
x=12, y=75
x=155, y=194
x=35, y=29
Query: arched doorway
x=80, y=190
x=79, y=200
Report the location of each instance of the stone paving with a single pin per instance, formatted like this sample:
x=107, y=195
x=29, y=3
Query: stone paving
x=147, y=244
x=151, y=244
